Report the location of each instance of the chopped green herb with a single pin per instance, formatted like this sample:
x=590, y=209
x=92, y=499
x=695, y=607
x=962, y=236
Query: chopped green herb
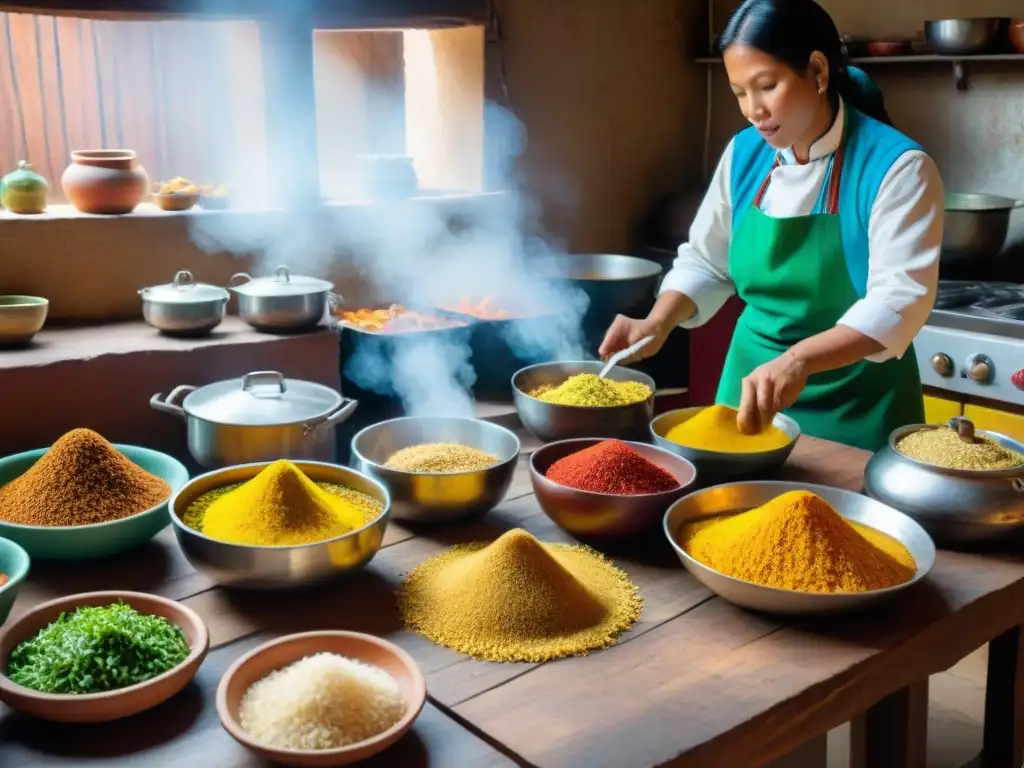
x=97, y=649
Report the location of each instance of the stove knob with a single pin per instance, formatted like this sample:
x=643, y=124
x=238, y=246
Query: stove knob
x=942, y=364
x=980, y=369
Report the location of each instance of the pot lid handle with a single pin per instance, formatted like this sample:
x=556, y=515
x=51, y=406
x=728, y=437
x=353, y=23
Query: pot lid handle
x=251, y=381
x=282, y=274
x=183, y=280
x=963, y=427
x=238, y=278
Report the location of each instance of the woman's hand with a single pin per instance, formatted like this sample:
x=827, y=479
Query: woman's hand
x=770, y=388
x=625, y=331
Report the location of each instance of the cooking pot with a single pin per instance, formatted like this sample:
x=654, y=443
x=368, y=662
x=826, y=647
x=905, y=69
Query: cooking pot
x=260, y=417
x=184, y=307
x=976, y=226
x=282, y=303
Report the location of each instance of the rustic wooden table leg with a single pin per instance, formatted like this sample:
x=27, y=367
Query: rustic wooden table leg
x=813, y=754
x=1003, y=745
x=894, y=732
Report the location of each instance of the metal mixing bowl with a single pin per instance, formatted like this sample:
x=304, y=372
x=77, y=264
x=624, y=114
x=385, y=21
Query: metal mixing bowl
x=251, y=567
x=957, y=507
x=975, y=226
x=438, y=497
x=563, y=422
x=719, y=466
x=966, y=37
x=605, y=516
x=740, y=497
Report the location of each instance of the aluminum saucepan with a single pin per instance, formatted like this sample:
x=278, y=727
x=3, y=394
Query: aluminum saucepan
x=184, y=307
x=260, y=417
x=284, y=303
x=976, y=226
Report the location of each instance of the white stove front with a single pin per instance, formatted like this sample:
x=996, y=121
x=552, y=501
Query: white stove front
x=967, y=363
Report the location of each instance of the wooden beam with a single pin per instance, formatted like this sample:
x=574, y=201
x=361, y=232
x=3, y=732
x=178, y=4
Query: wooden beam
x=1003, y=744
x=894, y=732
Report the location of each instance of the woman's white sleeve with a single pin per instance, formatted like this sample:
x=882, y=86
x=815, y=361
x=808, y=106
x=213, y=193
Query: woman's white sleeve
x=905, y=238
x=701, y=270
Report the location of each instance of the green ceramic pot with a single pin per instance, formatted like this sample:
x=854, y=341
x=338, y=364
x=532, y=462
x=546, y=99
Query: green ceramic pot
x=83, y=542
x=24, y=191
x=14, y=565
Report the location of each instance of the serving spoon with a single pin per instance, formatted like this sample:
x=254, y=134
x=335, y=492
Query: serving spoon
x=623, y=354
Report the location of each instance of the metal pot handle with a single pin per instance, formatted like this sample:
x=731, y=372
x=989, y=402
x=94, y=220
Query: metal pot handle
x=167, y=404
x=1018, y=203
x=335, y=300
x=282, y=274
x=251, y=380
x=344, y=411
x=239, y=278
x=1018, y=484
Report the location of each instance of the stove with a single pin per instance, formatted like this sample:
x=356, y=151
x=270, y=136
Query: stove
x=973, y=343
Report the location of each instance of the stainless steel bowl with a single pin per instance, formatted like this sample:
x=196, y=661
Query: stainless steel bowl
x=957, y=507
x=966, y=37
x=271, y=568
x=975, y=226
x=604, y=516
x=552, y=422
x=437, y=497
x=718, y=466
x=740, y=497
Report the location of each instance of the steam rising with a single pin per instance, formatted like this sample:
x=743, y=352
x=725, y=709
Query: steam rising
x=412, y=254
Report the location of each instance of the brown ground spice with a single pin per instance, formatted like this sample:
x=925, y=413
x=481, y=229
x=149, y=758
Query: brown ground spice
x=81, y=480
x=518, y=599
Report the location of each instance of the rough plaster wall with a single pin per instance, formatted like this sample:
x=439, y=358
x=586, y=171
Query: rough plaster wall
x=977, y=137
x=613, y=108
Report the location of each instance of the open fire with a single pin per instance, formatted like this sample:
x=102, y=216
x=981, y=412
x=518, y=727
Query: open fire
x=395, y=319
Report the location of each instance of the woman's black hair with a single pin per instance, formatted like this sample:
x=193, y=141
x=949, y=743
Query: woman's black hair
x=790, y=31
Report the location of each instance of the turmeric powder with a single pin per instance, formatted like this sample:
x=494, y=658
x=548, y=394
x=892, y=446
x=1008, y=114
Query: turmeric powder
x=797, y=541
x=714, y=429
x=588, y=390
x=283, y=507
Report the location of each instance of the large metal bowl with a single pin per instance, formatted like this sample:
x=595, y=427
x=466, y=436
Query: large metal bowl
x=966, y=37
x=975, y=226
x=719, y=466
x=552, y=422
x=956, y=507
x=271, y=568
x=438, y=497
x=740, y=497
x=605, y=516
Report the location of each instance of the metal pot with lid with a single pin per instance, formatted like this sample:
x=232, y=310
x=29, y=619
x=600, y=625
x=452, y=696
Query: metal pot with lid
x=261, y=416
x=184, y=307
x=282, y=303
x=956, y=506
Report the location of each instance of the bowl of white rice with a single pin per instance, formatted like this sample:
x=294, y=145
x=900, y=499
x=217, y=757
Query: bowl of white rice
x=321, y=698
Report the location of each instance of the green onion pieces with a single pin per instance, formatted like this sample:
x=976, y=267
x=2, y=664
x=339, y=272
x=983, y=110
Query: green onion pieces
x=97, y=649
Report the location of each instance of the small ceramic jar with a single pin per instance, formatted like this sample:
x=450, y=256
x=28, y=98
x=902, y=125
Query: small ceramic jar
x=105, y=181
x=24, y=191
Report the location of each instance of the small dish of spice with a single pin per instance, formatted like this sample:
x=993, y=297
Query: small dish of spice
x=321, y=698
x=85, y=497
x=14, y=566
x=99, y=656
x=607, y=489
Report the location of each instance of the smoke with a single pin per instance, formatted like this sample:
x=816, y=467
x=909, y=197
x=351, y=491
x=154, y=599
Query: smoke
x=420, y=254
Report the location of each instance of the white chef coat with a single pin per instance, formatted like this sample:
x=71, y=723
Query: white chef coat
x=904, y=236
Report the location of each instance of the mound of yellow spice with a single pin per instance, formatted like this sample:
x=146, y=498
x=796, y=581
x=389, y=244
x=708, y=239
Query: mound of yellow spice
x=518, y=599
x=281, y=507
x=714, y=429
x=798, y=541
x=591, y=391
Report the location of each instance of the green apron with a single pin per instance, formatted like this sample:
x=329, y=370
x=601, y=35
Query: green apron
x=792, y=275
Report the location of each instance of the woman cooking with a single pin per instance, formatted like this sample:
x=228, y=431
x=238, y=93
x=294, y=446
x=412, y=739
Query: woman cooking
x=826, y=221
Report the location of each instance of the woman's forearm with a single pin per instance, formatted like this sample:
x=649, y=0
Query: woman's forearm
x=837, y=347
x=671, y=309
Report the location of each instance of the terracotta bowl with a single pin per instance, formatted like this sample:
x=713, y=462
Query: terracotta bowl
x=112, y=705
x=176, y=201
x=284, y=651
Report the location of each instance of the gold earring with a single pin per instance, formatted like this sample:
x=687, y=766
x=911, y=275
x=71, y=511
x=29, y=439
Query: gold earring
x=821, y=90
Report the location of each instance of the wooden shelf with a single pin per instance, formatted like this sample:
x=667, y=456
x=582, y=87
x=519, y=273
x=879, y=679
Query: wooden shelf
x=959, y=63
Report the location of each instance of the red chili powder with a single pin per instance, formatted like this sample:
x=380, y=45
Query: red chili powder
x=610, y=467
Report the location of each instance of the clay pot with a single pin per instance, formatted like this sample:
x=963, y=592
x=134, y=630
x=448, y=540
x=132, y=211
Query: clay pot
x=109, y=181
x=1017, y=34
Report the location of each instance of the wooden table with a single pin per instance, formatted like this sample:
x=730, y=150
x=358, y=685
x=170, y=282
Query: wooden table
x=696, y=682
